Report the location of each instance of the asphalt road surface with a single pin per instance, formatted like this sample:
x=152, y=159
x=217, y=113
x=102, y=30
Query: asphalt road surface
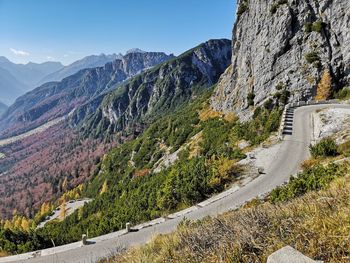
x=292, y=151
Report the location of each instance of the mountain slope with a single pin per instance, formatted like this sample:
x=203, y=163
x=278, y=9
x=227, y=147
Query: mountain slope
x=10, y=87
x=31, y=73
x=284, y=45
x=93, y=61
x=3, y=108
x=156, y=91
x=55, y=99
x=49, y=157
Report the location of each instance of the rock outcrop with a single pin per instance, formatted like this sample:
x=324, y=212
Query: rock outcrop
x=156, y=91
x=284, y=45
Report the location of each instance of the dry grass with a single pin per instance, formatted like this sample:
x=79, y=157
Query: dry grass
x=208, y=113
x=195, y=145
x=142, y=172
x=4, y=254
x=307, y=164
x=317, y=224
x=231, y=117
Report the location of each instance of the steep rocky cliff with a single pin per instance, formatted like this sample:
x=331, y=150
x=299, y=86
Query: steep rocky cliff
x=156, y=91
x=284, y=45
x=55, y=99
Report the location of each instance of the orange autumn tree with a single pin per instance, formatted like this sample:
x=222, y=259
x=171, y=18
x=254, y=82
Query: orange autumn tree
x=324, y=88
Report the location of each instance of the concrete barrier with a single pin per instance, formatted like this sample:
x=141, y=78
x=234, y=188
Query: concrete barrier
x=289, y=255
x=296, y=105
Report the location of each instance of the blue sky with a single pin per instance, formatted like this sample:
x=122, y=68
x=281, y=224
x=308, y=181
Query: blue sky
x=67, y=30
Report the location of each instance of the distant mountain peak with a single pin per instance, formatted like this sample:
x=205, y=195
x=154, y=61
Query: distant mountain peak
x=135, y=50
x=4, y=60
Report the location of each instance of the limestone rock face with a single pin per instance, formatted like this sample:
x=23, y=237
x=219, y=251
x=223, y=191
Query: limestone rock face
x=157, y=91
x=284, y=45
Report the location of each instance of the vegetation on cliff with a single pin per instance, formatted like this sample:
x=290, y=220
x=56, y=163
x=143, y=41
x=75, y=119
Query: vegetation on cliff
x=309, y=213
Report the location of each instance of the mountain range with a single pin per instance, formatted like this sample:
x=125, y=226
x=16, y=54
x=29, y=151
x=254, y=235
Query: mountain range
x=157, y=91
x=92, y=61
x=16, y=79
x=56, y=99
x=105, y=101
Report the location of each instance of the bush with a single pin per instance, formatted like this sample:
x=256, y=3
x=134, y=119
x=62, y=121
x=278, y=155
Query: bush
x=308, y=27
x=242, y=8
x=275, y=6
x=317, y=26
x=250, y=98
x=312, y=179
x=326, y=147
x=280, y=86
x=313, y=27
x=257, y=130
x=268, y=104
x=343, y=94
x=344, y=149
x=312, y=57
x=282, y=97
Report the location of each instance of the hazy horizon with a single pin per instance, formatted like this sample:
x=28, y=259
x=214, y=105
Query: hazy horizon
x=67, y=31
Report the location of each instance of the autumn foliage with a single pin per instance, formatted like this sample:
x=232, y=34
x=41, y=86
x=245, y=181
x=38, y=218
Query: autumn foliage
x=324, y=88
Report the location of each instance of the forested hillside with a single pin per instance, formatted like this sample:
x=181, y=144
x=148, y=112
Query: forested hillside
x=133, y=183
x=309, y=213
x=34, y=168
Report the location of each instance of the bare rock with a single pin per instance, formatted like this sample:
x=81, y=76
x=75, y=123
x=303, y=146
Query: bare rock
x=271, y=42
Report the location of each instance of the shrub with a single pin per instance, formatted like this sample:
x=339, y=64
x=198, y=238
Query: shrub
x=275, y=6
x=280, y=86
x=343, y=94
x=308, y=27
x=344, y=148
x=317, y=26
x=250, y=98
x=268, y=104
x=313, y=27
x=282, y=97
x=260, y=127
x=326, y=147
x=242, y=8
x=312, y=57
x=312, y=179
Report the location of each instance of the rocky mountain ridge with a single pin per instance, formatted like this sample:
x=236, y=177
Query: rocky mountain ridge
x=92, y=61
x=156, y=91
x=29, y=74
x=56, y=99
x=17, y=79
x=284, y=45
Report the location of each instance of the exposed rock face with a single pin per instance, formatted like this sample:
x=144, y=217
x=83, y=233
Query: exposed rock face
x=56, y=99
x=158, y=90
x=284, y=45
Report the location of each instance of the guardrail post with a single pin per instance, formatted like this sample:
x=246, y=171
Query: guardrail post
x=84, y=239
x=127, y=227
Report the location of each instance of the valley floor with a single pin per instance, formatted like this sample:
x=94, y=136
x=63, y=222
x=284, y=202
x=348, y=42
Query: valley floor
x=37, y=130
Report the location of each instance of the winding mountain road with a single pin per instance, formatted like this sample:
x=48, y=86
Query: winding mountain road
x=292, y=151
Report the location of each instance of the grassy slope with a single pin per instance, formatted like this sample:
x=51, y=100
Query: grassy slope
x=315, y=221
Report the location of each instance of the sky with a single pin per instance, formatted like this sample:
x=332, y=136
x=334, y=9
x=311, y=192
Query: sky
x=67, y=30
